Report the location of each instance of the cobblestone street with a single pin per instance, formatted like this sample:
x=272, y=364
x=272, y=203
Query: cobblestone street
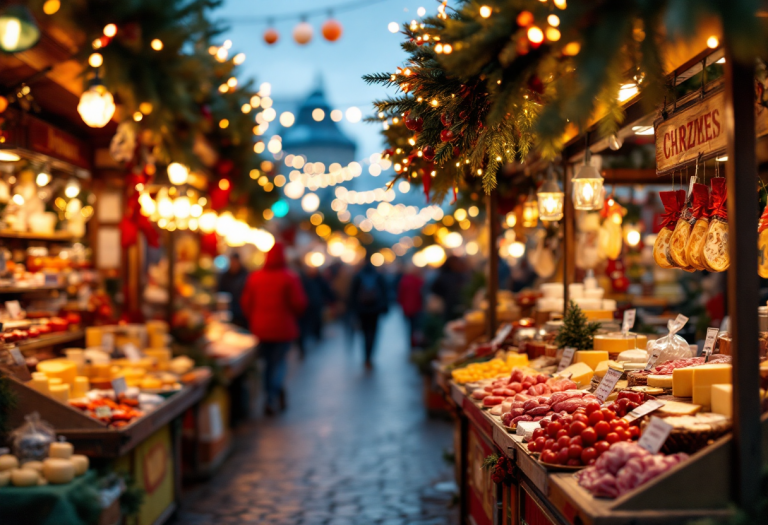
x=354, y=447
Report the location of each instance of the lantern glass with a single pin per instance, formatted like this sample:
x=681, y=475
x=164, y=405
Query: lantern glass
x=18, y=31
x=530, y=213
x=551, y=206
x=96, y=106
x=588, y=191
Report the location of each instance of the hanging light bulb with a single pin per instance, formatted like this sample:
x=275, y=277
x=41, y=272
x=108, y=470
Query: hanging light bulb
x=530, y=211
x=551, y=198
x=72, y=189
x=588, y=191
x=18, y=30
x=178, y=173
x=96, y=105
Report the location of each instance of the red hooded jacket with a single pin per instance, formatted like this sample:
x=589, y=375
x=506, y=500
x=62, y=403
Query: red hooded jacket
x=273, y=299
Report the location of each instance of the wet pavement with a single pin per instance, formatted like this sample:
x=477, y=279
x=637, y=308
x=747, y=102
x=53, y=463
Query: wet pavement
x=354, y=447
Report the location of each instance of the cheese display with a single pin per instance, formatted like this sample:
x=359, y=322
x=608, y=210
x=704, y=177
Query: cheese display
x=81, y=463
x=615, y=343
x=721, y=399
x=633, y=356
x=590, y=357
x=59, y=392
x=59, y=369
x=682, y=382
x=603, y=366
x=679, y=239
x=704, y=377
x=23, y=477
x=675, y=408
x=5, y=478
x=58, y=471
x=34, y=465
x=80, y=387
x=580, y=373
x=61, y=449
x=660, y=381
x=8, y=462
x=40, y=382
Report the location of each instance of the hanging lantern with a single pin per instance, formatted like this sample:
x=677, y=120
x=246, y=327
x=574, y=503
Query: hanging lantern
x=96, y=105
x=530, y=211
x=302, y=33
x=551, y=198
x=271, y=36
x=331, y=30
x=588, y=191
x=18, y=30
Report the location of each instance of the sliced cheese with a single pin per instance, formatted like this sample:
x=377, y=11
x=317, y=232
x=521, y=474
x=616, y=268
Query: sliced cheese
x=660, y=381
x=629, y=366
x=603, y=366
x=702, y=395
x=721, y=398
x=676, y=408
x=704, y=377
x=616, y=342
x=581, y=373
x=633, y=356
x=590, y=357
x=682, y=382
x=58, y=471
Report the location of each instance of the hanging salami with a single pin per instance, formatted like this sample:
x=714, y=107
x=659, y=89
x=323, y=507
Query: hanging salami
x=700, y=211
x=673, y=202
x=762, y=245
x=715, y=252
x=680, y=237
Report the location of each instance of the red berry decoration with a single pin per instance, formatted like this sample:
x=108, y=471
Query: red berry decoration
x=428, y=152
x=535, y=84
x=446, y=135
x=445, y=118
x=456, y=151
x=414, y=124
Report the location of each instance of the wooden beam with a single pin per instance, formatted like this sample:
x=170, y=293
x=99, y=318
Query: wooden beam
x=569, y=233
x=743, y=282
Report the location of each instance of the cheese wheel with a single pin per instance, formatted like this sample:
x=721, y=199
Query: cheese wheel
x=81, y=464
x=58, y=471
x=5, y=478
x=39, y=382
x=661, y=381
x=678, y=241
x=762, y=254
x=660, y=248
x=696, y=243
x=59, y=392
x=61, y=449
x=715, y=253
x=59, y=368
x=34, y=465
x=24, y=477
x=8, y=462
x=80, y=388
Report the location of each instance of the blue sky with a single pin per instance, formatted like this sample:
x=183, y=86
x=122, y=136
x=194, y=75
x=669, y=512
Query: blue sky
x=366, y=46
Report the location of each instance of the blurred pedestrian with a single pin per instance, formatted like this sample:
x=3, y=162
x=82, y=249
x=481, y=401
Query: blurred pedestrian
x=368, y=298
x=319, y=295
x=449, y=287
x=410, y=297
x=232, y=282
x=273, y=300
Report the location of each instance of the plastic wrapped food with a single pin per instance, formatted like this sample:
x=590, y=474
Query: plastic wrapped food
x=715, y=252
x=670, y=347
x=700, y=210
x=32, y=440
x=762, y=245
x=673, y=201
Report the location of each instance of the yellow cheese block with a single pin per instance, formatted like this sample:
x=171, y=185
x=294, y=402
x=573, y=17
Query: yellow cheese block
x=682, y=382
x=24, y=477
x=515, y=359
x=581, y=373
x=61, y=450
x=59, y=369
x=660, y=381
x=80, y=388
x=616, y=342
x=81, y=464
x=704, y=377
x=151, y=383
x=702, y=395
x=59, y=392
x=721, y=397
x=39, y=382
x=591, y=357
x=58, y=471
x=596, y=315
x=8, y=462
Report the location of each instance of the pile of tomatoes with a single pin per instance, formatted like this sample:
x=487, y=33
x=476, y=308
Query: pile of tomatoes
x=580, y=438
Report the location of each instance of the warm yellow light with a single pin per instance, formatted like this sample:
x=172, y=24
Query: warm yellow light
x=95, y=60
x=530, y=213
x=165, y=206
x=196, y=210
x=535, y=35
x=474, y=211
x=553, y=20
x=18, y=199
x=452, y=240
x=177, y=173
x=181, y=207
x=633, y=237
x=318, y=114
x=208, y=222
x=138, y=116
x=517, y=249
x=572, y=49
x=147, y=203
x=485, y=11
x=560, y=4
x=393, y=27
x=553, y=34
x=232, y=82
x=471, y=248
x=460, y=214
x=310, y=202
x=627, y=91
x=336, y=115
x=110, y=30
x=259, y=147
x=96, y=106
x=511, y=219
x=713, y=42
x=287, y=119
x=354, y=114
x=146, y=107
x=51, y=7
x=224, y=123
x=156, y=44
x=238, y=59
x=377, y=259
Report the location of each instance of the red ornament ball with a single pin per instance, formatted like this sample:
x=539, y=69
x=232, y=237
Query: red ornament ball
x=445, y=118
x=271, y=36
x=456, y=151
x=428, y=152
x=447, y=135
x=302, y=33
x=414, y=124
x=331, y=30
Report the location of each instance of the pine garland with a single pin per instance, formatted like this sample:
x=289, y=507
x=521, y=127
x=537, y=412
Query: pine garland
x=576, y=332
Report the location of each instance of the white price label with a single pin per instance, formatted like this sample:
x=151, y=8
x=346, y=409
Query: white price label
x=108, y=342
x=655, y=435
x=607, y=385
x=17, y=357
x=103, y=412
x=629, y=320
x=709, y=342
x=679, y=322
x=567, y=358
x=501, y=334
x=644, y=409
x=119, y=386
x=14, y=309
x=131, y=352
x=652, y=359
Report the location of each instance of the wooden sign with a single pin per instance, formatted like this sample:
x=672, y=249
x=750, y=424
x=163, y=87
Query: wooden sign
x=696, y=130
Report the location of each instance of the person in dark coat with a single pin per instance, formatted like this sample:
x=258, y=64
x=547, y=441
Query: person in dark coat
x=319, y=294
x=449, y=286
x=273, y=300
x=232, y=282
x=368, y=300
x=410, y=297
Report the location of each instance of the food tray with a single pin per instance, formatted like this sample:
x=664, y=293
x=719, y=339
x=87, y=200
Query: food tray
x=560, y=468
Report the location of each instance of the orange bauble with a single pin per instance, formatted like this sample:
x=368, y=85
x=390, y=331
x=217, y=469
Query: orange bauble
x=302, y=33
x=271, y=35
x=332, y=30
x=3, y=104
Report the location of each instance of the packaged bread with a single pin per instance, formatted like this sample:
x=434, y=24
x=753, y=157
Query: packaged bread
x=700, y=211
x=715, y=252
x=762, y=245
x=673, y=201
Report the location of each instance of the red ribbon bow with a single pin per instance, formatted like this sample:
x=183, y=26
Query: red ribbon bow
x=719, y=198
x=700, y=204
x=133, y=221
x=673, y=202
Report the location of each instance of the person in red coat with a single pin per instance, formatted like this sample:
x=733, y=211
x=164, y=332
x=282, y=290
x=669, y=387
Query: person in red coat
x=272, y=301
x=409, y=295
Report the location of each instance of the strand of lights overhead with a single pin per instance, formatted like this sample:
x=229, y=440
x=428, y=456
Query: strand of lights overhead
x=397, y=219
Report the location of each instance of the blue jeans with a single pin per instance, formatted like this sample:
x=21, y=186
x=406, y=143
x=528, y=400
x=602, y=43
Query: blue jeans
x=276, y=367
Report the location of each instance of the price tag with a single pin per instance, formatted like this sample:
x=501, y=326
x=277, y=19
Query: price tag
x=655, y=435
x=17, y=357
x=526, y=428
x=709, y=342
x=644, y=409
x=629, y=321
x=119, y=386
x=607, y=385
x=108, y=342
x=14, y=309
x=501, y=334
x=652, y=359
x=131, y=352
x=567, y=358
x=103, y=412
